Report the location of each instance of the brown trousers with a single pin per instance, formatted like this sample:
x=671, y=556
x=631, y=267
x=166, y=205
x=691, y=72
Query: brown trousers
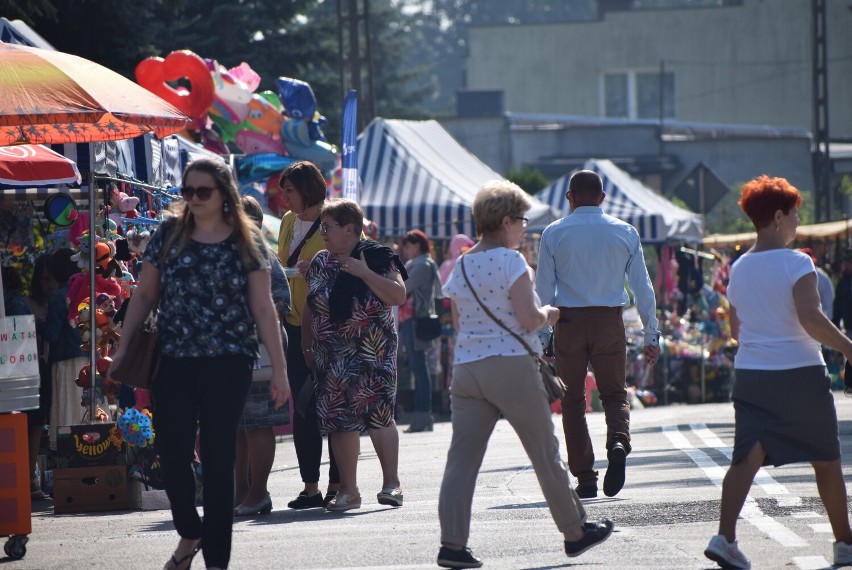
x=593, y=335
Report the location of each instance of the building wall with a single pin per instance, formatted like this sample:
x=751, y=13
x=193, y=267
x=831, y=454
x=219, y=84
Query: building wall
x=738, y=161
x=734, y=159
x=748, y=64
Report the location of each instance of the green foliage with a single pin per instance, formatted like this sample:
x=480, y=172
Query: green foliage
x=529, y=179
x=290, y=38
x=439, y=30
x=26, y=10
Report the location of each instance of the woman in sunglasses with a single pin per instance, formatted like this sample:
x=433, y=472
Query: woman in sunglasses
x=208, y=270
x=350, y=341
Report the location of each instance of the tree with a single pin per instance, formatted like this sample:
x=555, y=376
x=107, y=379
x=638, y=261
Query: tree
x=26, y=10
x=291, y=38
x=440, y=31
x=531, y=180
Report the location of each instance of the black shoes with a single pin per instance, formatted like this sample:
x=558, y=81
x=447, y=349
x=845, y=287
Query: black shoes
x=304, y=501
x=593, y=533
x=614, y=478
x=464, y=558
x=587, y=490
x=328, y=497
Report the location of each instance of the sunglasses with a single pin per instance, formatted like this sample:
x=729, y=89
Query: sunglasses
x=524, y=221
x=324, y=227
x=202, y=192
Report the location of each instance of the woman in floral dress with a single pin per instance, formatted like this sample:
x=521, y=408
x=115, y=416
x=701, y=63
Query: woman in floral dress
x=350, y=341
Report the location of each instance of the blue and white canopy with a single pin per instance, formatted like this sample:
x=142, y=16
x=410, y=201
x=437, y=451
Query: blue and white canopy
x=145, y=159
x=655, y=218
x=415, y=175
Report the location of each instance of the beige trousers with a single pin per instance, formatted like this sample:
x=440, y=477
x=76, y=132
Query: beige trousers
x=480, y=392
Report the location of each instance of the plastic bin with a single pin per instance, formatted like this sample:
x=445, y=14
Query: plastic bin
x=15, y=508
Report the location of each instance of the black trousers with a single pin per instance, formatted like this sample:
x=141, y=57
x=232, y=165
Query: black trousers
x=306, y=433
x=208, y=393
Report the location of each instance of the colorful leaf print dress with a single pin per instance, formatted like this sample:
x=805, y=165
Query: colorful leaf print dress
x=355, y=361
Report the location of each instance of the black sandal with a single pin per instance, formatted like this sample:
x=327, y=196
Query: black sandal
x=178, y=564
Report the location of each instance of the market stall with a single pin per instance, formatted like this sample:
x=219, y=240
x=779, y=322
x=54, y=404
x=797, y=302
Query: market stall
x=416, y=175
x=56, y=98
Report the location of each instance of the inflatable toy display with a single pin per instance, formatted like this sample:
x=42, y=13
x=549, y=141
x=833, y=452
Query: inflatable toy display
x=154, y=73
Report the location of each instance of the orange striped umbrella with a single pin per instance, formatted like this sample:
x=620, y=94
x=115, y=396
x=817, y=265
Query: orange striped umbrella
x=54, y=97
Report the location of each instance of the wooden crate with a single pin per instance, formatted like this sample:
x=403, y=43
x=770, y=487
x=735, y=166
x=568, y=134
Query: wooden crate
x=97, y=488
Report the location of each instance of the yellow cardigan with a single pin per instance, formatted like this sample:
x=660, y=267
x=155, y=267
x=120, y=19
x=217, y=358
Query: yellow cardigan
x=298, y=285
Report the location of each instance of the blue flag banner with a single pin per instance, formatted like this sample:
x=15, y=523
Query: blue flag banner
x=349, y=147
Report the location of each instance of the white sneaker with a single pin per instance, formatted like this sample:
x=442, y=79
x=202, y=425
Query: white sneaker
x=842, y=554
x=727, y=554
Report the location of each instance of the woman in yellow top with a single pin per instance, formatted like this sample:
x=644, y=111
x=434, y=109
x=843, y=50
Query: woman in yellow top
x=298, y=242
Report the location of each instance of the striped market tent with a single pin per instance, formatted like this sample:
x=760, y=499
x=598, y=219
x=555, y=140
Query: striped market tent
x=656, y=219
x=145, y=159
x=415, y=175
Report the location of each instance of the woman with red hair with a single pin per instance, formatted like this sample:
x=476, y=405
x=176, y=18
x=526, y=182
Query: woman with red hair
x=784, y=409
x=423, y=286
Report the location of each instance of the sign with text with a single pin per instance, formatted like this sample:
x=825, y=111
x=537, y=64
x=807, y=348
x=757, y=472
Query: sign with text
x=18, y=349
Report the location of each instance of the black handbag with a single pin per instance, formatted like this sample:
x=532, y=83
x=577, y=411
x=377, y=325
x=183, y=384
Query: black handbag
x=553, y=384
x=427, y=328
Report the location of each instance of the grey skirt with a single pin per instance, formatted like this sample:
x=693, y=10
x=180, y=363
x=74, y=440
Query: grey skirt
x=790, y=412
x=260, y=411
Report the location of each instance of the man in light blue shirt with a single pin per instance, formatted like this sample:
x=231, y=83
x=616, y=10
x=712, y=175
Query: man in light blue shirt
x=583, y=262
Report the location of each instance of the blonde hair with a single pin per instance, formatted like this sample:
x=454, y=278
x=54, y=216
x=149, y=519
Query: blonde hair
x=246, y=232
x=496, y=200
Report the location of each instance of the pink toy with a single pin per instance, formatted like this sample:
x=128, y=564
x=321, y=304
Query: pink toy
x=252, y=142
x=126, y=204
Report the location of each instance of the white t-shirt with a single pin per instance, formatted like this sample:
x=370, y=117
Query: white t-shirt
x=492, y=273
x=761, y=291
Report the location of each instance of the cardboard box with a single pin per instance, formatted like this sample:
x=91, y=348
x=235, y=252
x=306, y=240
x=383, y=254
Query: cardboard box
x=87, y=489
x=89, y=445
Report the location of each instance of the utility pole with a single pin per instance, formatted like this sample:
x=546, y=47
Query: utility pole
x=355, y=52
x=820, y=157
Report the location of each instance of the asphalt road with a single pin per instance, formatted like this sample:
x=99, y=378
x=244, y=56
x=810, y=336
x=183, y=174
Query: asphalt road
x=664, y=516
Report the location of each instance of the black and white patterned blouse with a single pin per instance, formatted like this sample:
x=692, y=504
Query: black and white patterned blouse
x=204, y=305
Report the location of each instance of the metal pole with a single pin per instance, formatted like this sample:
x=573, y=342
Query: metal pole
x=662, y=88
x=371, y=94
x=93, y=200
x=698, y=260
x=340, y=51
x=354, y=47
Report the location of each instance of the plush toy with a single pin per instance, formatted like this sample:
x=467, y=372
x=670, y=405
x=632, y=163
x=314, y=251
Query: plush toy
x=125, y=204
x=138, y=240
x=78, y=293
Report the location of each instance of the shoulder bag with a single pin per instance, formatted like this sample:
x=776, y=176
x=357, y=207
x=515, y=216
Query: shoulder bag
x=553, y=384
x=294, y=257
x=429, y=327
x=262, y=369
x=141, y=361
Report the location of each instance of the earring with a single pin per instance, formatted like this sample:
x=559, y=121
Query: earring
x=226, y=207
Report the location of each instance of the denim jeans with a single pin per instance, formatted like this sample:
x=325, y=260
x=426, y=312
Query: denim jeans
x=417, y=363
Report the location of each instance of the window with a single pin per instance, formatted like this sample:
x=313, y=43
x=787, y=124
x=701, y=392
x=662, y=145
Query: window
x=636, y=94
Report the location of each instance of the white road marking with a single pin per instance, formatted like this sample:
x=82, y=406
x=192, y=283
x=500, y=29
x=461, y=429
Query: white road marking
x=763, y=479
x=811, y=562
x=806, y=515
x=821, y=527
x=751, y=511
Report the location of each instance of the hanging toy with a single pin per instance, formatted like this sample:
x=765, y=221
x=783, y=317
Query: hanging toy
x=136, y=427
